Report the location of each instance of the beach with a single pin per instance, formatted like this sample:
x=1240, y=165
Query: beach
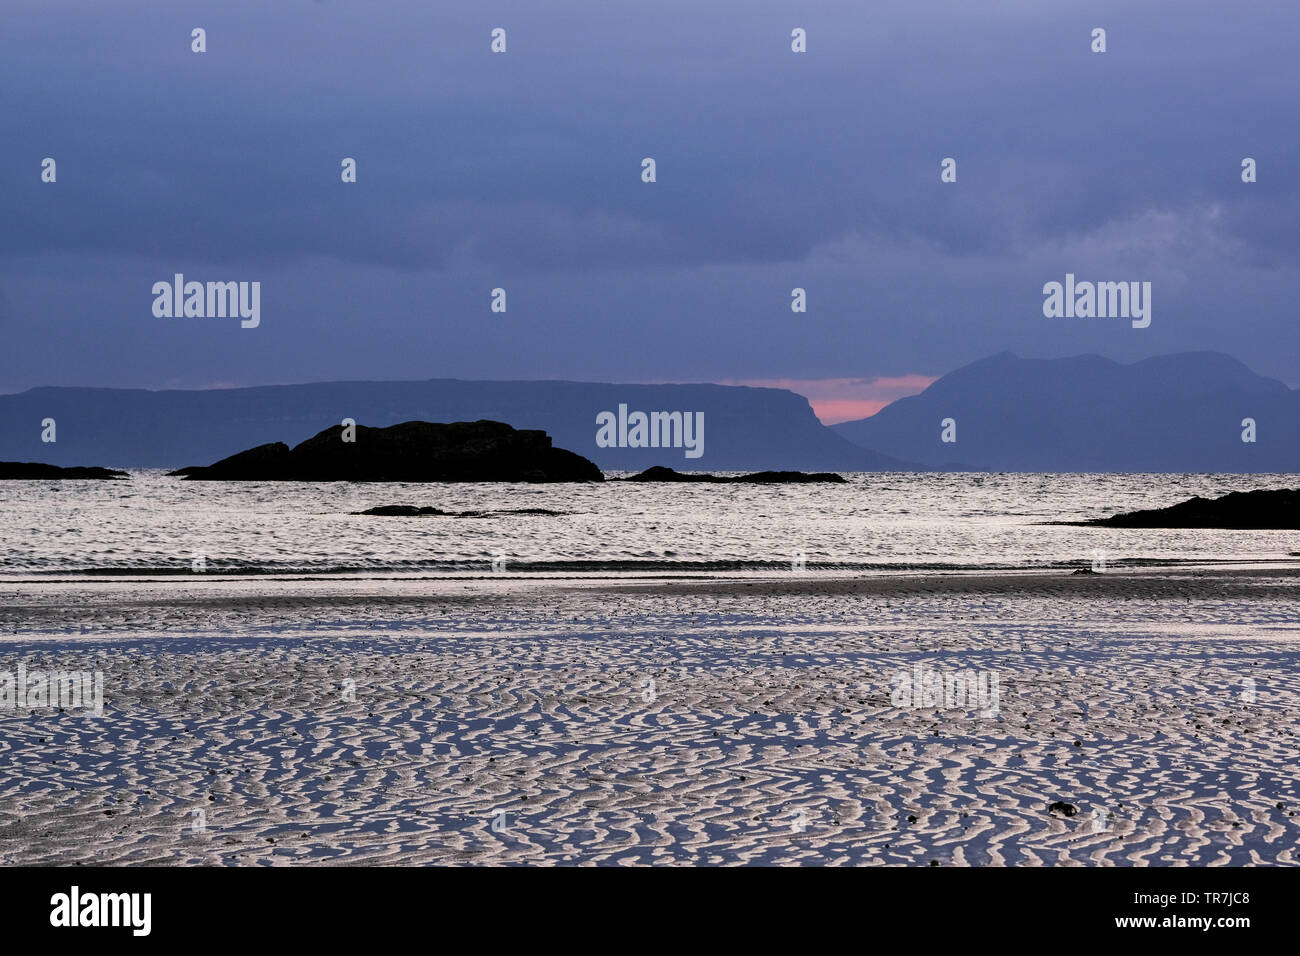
x=768, y=719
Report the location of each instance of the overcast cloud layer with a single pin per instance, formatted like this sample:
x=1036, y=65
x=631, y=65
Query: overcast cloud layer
x=522, y=170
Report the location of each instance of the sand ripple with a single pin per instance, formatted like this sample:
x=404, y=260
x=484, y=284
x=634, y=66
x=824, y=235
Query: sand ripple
x=494, y=724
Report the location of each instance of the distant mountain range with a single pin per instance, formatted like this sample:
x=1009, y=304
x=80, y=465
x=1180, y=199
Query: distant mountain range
x=1173, y=413
x=745, y=429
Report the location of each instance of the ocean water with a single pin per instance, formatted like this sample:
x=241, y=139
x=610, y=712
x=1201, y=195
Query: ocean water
x=156, y=525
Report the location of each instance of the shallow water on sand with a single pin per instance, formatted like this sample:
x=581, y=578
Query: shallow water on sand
x=610, y=723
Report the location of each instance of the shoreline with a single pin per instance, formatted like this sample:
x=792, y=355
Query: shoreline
x=73, y=611
x=1115, y=568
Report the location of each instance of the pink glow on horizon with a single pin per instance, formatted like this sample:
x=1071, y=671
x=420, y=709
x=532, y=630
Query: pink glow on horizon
x=835, y=400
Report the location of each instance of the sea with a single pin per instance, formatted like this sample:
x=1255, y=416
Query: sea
x=156, y=525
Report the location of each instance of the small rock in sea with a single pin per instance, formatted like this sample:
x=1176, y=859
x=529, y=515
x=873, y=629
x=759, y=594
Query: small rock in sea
x=1078, y=743
x=401, y=511
x=1084, y=571
x=1069, y=809
x=911, y=818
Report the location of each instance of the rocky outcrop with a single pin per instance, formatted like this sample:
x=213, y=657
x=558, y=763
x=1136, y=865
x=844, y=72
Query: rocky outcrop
x=660, y=473
x=411, y=451
x=34, y=471
x=1240, y=510
x=414, y=511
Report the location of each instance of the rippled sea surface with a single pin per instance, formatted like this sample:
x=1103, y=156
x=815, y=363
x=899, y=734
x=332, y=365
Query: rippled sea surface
x=154, y=524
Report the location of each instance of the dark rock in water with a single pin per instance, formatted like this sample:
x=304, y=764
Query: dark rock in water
x=791, y=477
x=260, y=460
x=411, y=511
x=1083, y=571
x=1244, y=510
x=411, y=451
x=34, y=471
x=660, y=473
x=1060, y=806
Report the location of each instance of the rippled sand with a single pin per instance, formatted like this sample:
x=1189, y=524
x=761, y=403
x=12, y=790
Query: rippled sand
x=1164, y=706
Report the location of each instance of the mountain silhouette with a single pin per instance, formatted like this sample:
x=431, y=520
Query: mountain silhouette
x=1171, y=413
x=745, y=428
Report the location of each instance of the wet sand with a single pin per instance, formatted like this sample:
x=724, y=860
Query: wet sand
x=514, y=721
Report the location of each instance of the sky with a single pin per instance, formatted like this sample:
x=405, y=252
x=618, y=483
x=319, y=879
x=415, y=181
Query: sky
x=522, y=170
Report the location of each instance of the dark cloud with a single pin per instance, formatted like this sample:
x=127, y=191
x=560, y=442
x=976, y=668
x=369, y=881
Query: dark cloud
x=528, y=160
x=773, y=168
